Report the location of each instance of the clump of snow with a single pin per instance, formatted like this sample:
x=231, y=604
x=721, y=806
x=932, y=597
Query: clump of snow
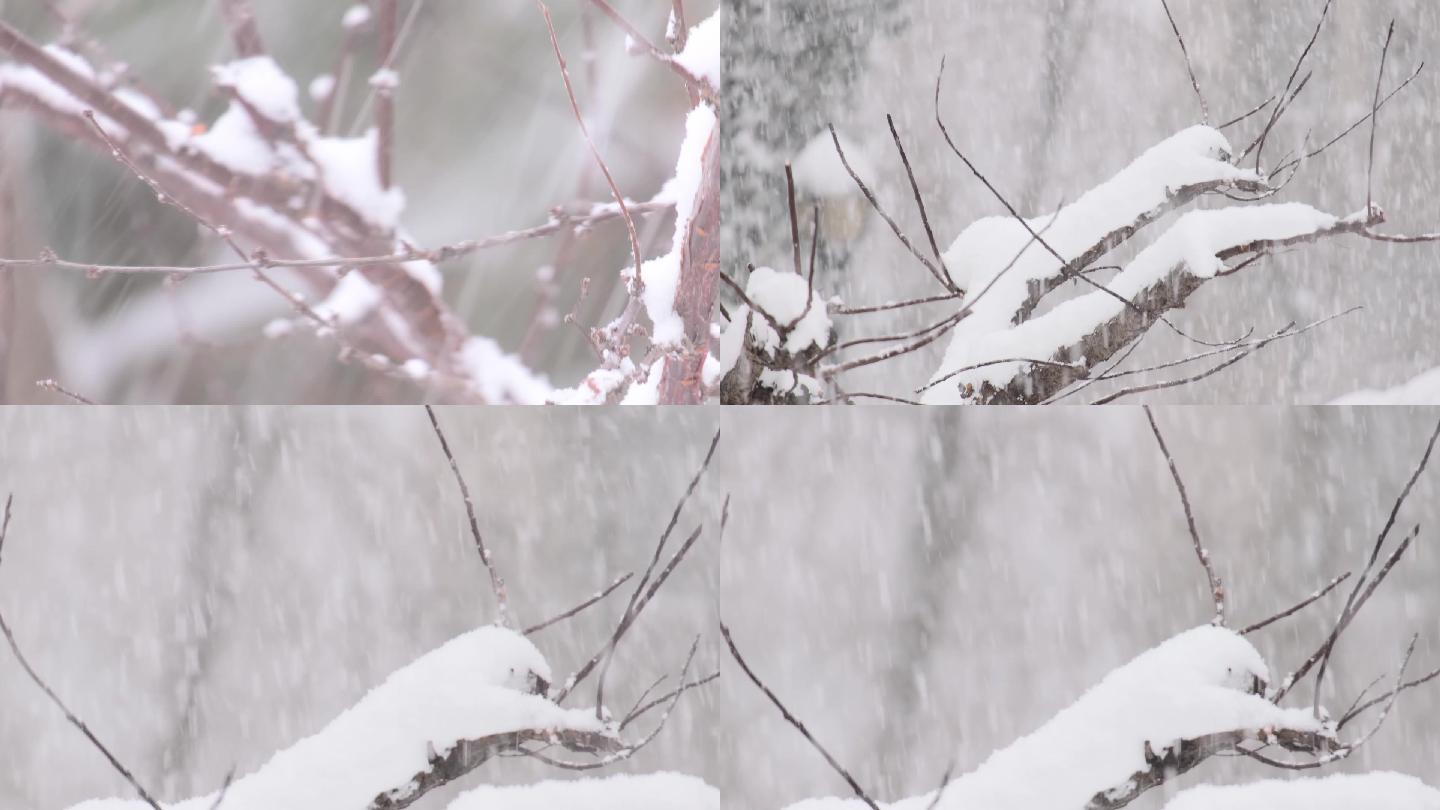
x=1200, y=682
x=819, y=171
x=1424, y=389
x=701, y=57
x=263, y=85
x=351, y=299
x=647, y=391
x=475, y=685
x=385, y=79
x=350, y=174
x=355, y=16
x=1381, y=790
x=321, y=87
x=783, y=295
x=595, y=389
x=661, y=275
x=785, y=382
x=500, y=377
x=416, y=369
x=235, y=143
x=651, y=791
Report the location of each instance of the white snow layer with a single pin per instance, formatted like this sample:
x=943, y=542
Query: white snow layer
x=1424, y=389
x=984, y=249
x=661, y=275
x=500, y=377
x=782, y=295
x=653, y=791
x=350, y=173
x=470, y=687
x=1191, y=685
x=701, y=57
x=263, y=85
x=1380, y=790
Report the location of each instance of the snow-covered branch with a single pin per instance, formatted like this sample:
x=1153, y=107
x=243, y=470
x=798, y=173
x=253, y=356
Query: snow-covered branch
x=316, y=217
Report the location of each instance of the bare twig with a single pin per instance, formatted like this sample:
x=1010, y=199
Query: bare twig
x=594, y=150
x=596, y=597
x=795, y=721
x=497, y=584
x=54, y=385
x=55, y=699
x=1298, y=606
x=1217, y=590
x=1375, y=118
x=919, y=202
x=1189, y=68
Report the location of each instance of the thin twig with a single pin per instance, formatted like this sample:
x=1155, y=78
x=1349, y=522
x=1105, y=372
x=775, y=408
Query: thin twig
x=1189, y=68
x=55, y=699
x=1375, y=118
x=54, y=385
x=497, y=584
x=594, y=150
x=535, y=628
x=795, y=721
x=1217, y=590
x=1297, y=607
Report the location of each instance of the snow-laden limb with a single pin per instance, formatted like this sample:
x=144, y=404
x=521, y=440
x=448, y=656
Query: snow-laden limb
x=1193, y=695
x=1423, y=389
x=1079, y=334
x=651, y=791
x=1380, y=790
x=436, y=718
x=263, y=177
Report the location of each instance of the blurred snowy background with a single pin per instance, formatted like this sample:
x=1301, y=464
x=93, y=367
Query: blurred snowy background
x=204, y=586
x=923, y=588
x=486, y=143
x=1050, y=97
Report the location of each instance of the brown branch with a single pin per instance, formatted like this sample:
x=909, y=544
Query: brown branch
x=1217, y=590
x=1298, y=606
x=53, y=385
x=385, y=93
x=239, y=17
x=596, y=597
x=559, y=221
x=594, y=150
x=795, y=721
x=55, y=699
x=919, y=202
x=1189, y=68
x=1375, y=119
x=641, y=597
x=497, y=584
x=894, y=226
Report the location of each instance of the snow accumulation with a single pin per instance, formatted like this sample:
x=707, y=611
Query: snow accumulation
x=352, y=298
x=263, y=85
x=661, y=275
x=982, y=251
x=349, y=171
x=647, y=391
x=1199, y=682
x=500, y=377
x=1422, y=390
x=819, y=171
x=1191, y=244
x=475, y=685
x=653, y=791
x=782, y=294
x=1380, y=790
x=701, y=57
